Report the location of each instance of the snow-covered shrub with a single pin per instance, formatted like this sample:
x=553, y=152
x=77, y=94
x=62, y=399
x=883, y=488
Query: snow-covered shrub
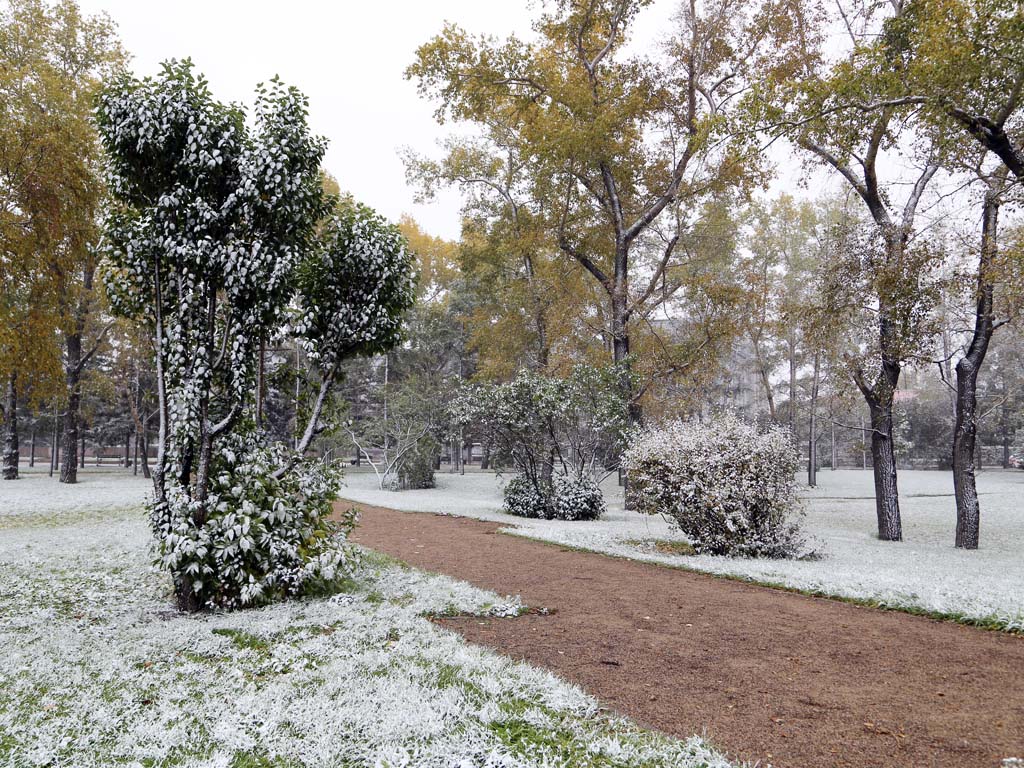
x=219, y=236
x=549, y=427
x=259, y=537
x=730, y=487
x=568, y=497
x=577, y=497
x=523, y=499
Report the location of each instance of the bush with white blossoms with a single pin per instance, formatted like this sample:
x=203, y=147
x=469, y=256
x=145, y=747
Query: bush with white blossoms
x=729, y=486
x=219, y=237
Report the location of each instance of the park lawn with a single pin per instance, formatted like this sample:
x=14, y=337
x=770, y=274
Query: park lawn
x=97, y=669
x=924, y=573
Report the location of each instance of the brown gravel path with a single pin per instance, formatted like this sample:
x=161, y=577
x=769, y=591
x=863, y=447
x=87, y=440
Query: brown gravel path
x=768, y=675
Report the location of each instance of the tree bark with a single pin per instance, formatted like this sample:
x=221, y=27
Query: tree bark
x=69, y=435
x=763, y=372
x=968, y=508
x=812, y=436
x=1004, y=428
x=11, y=455
x=883, y=458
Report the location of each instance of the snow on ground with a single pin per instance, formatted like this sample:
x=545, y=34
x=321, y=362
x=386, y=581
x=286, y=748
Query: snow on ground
x=96, y=668
x=923, y=572
x=97, y=490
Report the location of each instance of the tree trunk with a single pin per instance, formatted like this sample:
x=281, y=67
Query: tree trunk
x=81, y=447
x=69, y=439
x=11, y=455
x=764, y=374
x=791, y=346
x=1004, y=428
x=812, y=437
x=485, y=456
x=54, y=444
x=832, y=418
x=883, y=457
x=145, y=455
x=863, y=444
x=32, y=447
x=968, y=509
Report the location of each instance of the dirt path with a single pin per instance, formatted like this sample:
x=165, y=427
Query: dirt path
x=768, y=675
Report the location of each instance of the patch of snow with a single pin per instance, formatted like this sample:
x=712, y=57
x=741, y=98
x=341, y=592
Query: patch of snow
x=97, y=490
x=923, y=572
x=96, y=668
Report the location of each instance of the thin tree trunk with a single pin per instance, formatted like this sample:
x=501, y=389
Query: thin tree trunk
x=863, y=444
x=32, y=446
x=54, y=444
x=791, y=346
x=968, y=508
x=145, y=455
x=832, y=418
x=11, y=454
x=1004, y=428
x=763, y=373
x=812, y=437
x=81, y=447
x=73, y=373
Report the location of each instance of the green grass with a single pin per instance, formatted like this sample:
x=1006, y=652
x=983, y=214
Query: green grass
x=244, y=640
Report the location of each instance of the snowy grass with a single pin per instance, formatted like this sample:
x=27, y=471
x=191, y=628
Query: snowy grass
x=96, y=669
x=924, y=573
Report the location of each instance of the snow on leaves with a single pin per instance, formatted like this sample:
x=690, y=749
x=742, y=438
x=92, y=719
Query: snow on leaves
x=220, y=229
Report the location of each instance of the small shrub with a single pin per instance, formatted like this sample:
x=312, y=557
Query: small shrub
x=728, y=486
x=416, y=469
x=567, y=498
x=577, y=498
x=264, y=538
x=523, y=499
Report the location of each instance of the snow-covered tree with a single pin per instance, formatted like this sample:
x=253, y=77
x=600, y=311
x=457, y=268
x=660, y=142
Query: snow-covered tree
x=221, y=235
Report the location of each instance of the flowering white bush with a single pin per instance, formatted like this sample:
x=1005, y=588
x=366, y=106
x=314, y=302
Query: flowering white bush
x=728, y=486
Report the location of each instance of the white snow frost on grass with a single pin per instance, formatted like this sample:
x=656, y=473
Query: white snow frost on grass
x=924, y=572
x=97, y=669
x=34, y=493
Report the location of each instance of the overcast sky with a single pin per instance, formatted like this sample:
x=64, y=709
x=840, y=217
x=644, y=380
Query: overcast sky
x=348, y=57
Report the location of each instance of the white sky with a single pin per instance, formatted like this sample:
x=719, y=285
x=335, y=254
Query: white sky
x=348, y=57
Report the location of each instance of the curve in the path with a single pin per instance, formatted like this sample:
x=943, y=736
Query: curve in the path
x=767, y=675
